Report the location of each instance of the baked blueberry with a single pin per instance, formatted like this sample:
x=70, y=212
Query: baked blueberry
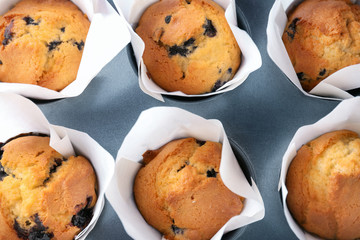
x=167, y=19
x=80, y=45
x=65, y=187
x=52, y=45
x=176, y=230
x=210, y=30
x=322, y=72
x=217, y=85
x=83, y=217
x=291, y=30
x=8, y=34
x=211, y=173
x=30, y=21
x=200, y=46
x=200, y=143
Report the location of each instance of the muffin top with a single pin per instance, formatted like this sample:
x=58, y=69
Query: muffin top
x=42, y=194
x=41, y=43
x=324, y=187
x=179, y=191
x=189, y=45
x=322, y=37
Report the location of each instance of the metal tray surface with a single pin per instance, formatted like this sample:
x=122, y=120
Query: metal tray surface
x=260, y=117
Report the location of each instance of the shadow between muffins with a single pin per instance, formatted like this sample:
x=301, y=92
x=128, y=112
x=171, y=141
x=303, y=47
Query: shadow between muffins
x=242, y=24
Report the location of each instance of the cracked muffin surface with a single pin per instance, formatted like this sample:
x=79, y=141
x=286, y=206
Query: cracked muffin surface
x=41, y=43
x=42, y=194
x=323, y=183
x=189, y=45
x=322, y=37
x=179, y=191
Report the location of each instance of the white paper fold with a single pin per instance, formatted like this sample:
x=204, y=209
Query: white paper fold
x=251, y=58
x=156, y=127
x=345, y=116
x=107, y=36
x=334, y=86
x=20, y=115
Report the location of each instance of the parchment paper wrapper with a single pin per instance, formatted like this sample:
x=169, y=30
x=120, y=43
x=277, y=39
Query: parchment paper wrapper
x=19, y=115
x=345, y=116
x=156, y=127
x=250, y=59
x=334, y=86
x=107, y=36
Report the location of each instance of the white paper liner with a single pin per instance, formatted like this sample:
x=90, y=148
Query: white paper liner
x=250, y=59
x=107, y=36
x=156, y=127
x=334, y=86
x=345, y=116
x=20, y=115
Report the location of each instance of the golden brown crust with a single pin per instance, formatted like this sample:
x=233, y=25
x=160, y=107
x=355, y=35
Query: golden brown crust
x=181, y=53
x=323, y=182
x=321, y=37
x=41, y=43
x=180, y=192
x=43, y=192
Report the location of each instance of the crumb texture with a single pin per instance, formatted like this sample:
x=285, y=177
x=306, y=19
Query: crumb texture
x=324, y=186
x=41, y=43
x=180, y=192
x=189, y=46
x=42, y=194
x=322, y=37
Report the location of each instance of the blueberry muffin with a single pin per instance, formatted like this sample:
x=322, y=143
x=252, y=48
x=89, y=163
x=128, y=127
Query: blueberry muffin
x=321, y=37
x=323, y=181
x=43, y=195
x=189, y=46
x=41, y=43
x=179, y=191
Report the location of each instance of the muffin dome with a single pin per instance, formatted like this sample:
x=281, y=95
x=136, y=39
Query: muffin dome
x=189, y=46
x=179, y=191
x=41, y=43
x=323, y=183
x=322, y=37
x=42, y=194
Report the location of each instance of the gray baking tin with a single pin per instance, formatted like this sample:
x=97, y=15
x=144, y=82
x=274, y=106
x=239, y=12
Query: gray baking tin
x=260, y=117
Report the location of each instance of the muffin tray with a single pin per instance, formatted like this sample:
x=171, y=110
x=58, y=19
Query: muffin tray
x=260, y=118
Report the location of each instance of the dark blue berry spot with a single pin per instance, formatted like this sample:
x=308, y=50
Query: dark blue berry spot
x=177, y=230
x=322, y=72
x=62, y=29
x=301, y=76
x=217, y=85
x=210, y=30
x=168, y=19
x=292, y=29
x=200, y=143
x=186, y=48
x=30, y=21
x=83, y=217
x=211, y=173
x=52, y=45
x=1, y=62
x=8, y=34
x=189, y=42
x=3, y=174
x=37, y=232
x=80, y=45
x=229, y=70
